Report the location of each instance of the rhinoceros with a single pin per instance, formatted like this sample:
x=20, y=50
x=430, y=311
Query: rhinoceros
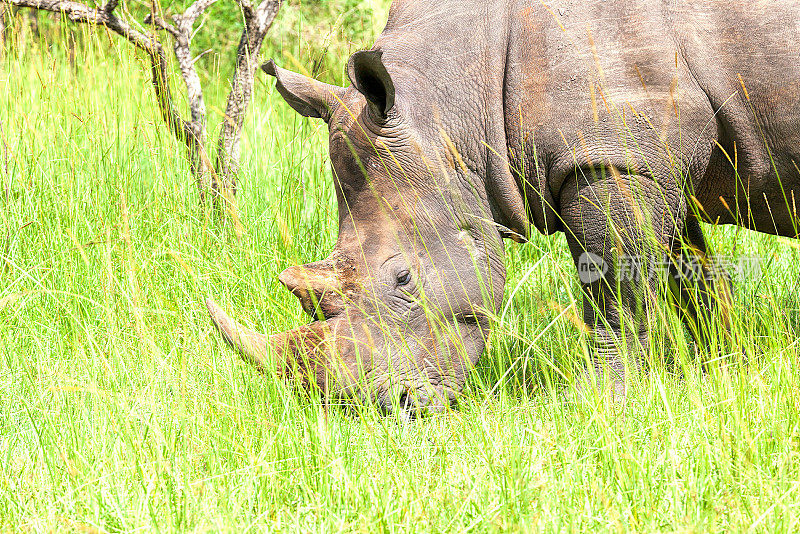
x=622, y=123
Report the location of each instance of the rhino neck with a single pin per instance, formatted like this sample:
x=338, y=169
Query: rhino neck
x=460, y=82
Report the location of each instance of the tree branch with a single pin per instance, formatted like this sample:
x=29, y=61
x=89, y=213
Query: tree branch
x=247, y=9
x=181, y=31
x=257, y=22
x=156, y=20
x=182, y=47
x=190, y=16
x=105, y=16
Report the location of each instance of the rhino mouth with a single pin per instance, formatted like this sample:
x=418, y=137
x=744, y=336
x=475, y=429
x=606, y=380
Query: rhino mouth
x=416, y=403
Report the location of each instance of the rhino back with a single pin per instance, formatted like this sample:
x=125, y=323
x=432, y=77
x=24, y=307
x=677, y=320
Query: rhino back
x=746, y=57
x=531, y=89
x=651, y=87
x=596, y=84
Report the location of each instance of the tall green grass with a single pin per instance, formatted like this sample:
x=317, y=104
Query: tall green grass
x=122, y=410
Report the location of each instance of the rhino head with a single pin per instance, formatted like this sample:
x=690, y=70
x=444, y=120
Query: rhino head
x=402, y=306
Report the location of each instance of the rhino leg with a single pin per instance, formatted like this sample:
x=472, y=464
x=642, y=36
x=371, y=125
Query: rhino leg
x=620, y=228
x=699, y=287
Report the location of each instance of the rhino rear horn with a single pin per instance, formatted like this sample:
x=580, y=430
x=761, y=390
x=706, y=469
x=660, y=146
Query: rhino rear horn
x=307, y=96
x=316, y=285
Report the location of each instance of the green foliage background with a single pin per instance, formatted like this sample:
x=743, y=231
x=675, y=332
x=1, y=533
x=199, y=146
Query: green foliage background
x=121, y=409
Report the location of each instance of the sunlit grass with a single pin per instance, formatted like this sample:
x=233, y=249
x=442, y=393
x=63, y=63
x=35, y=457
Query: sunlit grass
x=121, y=408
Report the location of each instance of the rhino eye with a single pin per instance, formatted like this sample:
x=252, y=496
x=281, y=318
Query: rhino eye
x=403, y=278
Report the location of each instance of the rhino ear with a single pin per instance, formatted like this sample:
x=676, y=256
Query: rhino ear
x=307, y=96
x=369, y=76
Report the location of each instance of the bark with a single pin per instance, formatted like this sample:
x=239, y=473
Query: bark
x=3, y=27
x=181, y=31
x=257, y=22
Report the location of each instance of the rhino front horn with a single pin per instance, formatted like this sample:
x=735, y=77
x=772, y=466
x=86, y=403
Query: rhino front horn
x=296, y=351
x=249, y=343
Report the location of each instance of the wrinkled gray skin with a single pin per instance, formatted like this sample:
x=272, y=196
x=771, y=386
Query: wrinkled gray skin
x=477, y=120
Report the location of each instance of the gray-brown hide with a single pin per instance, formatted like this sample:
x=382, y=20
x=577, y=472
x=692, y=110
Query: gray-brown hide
x=621, y=123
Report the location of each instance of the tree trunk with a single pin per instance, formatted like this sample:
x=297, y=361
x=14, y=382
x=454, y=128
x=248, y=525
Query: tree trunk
x=257, y=23
x=3, y=27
